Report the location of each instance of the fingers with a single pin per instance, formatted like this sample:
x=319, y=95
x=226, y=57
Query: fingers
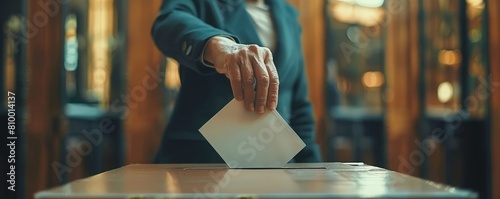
x=235, y=79
x=262, y=78
x=272, y=95
x=253, y=76
x=247, y=80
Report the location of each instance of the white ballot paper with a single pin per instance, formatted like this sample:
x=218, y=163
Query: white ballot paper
x=250, y=140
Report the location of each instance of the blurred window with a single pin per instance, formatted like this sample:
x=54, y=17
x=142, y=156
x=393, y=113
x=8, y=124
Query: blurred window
x=449, y=41
x=356, y=80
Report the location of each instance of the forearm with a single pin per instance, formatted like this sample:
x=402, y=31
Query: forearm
x=179, y=33
x=216, y=46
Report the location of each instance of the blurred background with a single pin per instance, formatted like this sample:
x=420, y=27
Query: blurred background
x=408, y=85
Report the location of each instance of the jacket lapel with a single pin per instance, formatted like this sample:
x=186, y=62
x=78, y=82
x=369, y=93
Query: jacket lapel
x=235, y=15
x=282, y=38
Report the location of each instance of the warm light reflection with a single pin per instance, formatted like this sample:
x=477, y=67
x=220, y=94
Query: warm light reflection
x=445, y=92
x=370, y=3
x=353, y=14
x=99, y=76
x=365, y=3
x=449, y=57
x=373, y=79
x=172, y=79
x=100, y=33
x=478, y=4
x=172, y=184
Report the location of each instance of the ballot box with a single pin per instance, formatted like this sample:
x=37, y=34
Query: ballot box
x=318, y=180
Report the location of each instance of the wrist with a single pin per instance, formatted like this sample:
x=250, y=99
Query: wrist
x=215, y=46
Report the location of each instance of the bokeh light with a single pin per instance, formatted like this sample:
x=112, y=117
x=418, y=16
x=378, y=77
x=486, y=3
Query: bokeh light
x=373, y=79
x=445, y=92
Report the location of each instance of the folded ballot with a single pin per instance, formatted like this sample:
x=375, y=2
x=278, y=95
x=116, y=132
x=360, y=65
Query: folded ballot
x=250, y=140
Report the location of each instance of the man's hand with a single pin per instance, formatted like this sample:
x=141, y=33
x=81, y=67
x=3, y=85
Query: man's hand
x=246, y=66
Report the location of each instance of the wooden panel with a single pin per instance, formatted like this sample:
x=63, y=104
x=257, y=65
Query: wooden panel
x=44, y=106
x=494, y=42
x=145, y=122
x=402, y=73
x=313, y=41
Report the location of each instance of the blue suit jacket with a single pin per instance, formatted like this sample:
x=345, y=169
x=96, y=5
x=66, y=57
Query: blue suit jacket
x=181, y=31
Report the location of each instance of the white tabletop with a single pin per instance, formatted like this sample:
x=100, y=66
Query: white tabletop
x=319, y=180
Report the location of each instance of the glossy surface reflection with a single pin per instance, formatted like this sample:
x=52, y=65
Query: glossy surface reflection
x=322, y=180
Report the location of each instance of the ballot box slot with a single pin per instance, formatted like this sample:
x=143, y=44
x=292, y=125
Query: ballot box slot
x=278, y=168
x=354, y=163
x=287, y=168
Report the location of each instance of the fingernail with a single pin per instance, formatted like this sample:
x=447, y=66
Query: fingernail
x=251, y=107
x=260, y=109
x=273, y=105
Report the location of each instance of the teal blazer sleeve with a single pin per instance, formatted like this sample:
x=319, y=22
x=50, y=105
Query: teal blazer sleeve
x=182, y=30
